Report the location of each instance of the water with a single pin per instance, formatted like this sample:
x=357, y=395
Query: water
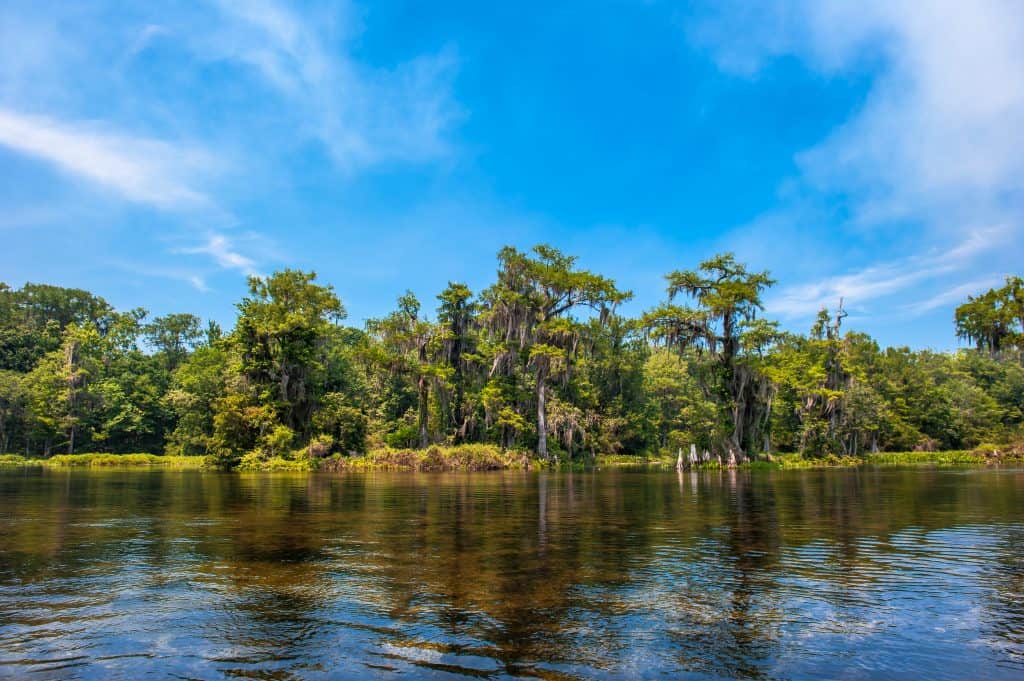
x=843, y=574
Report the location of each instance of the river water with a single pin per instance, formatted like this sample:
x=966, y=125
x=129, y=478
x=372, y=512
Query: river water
x=839, y=574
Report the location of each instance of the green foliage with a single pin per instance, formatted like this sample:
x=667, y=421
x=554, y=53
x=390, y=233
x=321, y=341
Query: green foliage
x=195, y=386
x=527, y=313
x=404, y=436
x=994, y=320
x=343, y=424
x=173, y=336
x=540, y=361
x=100, y=459
x=254, y=462
x=727, y=344
x=906, y=458
x=468, y=457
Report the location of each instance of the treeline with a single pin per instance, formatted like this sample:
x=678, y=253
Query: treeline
x=541, y=360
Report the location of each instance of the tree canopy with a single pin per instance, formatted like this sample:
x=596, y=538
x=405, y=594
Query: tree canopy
x=541, y=360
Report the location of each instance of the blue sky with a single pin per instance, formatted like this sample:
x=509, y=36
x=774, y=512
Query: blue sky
x=157, y=153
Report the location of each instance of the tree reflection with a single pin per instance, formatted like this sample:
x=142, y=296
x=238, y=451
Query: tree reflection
x=730, y=573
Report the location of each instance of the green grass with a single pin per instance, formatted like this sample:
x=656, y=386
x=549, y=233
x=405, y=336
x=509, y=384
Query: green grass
x=101, y=459
x=796, y=461
x=482, y=457
x=793, y=460
x=470, y=457
x=633, y=460
x=277, y=464
x=898, y=458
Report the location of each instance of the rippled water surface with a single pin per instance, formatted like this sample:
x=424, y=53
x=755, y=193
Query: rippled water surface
x=608, y=574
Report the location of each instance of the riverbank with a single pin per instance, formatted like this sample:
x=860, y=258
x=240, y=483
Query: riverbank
x=984, y=455
x=470, y=457
x=478, y=457
x=796, y=461
x=94, y=459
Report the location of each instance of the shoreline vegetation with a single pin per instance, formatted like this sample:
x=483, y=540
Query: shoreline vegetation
x=540, y=369
x=482, y=458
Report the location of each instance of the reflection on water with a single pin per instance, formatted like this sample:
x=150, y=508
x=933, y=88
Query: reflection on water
x=609, y=574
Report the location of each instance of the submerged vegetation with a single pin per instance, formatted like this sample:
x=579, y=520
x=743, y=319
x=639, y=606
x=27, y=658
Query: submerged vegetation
x=540, y=367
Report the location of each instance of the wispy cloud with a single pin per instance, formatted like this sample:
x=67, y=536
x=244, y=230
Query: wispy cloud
x=193, y=278
x=364, y=115
x=935, y=151
x=224, y=252
x=139, y=169
x=162, y=106
x=954, y=296
x=862, y=287
x=938, y=136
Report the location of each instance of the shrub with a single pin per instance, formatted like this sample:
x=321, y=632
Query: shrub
x=253, y=462
x=1008, y=450
x=104, y=459
x=467, y=457
x=344, y=424
x=320, y=446
x=403, y=437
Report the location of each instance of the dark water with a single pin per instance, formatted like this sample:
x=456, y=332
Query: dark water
x=611, y=574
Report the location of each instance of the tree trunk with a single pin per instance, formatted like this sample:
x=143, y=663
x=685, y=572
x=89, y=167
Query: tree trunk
x=734, y=450
x=542, y=419
x=73, y=381
x=285, y=378
x=424, y=411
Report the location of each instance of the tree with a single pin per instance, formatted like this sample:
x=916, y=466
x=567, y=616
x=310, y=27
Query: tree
x=679, y=411
x=457, y=327
x=33, y=318
x=994, y=321
x=406, y=342
x=12, y=406
x=281, y=340
x=173, y=336
x=196, y=385
x=723, y=328
x=542, y=358
x=528, y=313
x=344, y=424
x=62, y=395
x=607, y=385
x=812, y=375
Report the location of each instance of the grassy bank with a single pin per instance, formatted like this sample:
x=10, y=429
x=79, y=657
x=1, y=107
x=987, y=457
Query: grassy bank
x=473, y=457
x=102, y=459
x=480, y=457
x=988, y=454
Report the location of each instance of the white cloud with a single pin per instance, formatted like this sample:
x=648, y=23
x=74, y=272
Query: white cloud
x=145, y=65
x=363, y=115
x=224, y=253
x=955, y=295
x=938, y=138
x=194, y=279
x=860, y=288
x=140, y=169
x=900, y=196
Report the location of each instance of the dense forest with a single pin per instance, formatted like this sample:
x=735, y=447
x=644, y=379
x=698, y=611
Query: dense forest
x=541, y=360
